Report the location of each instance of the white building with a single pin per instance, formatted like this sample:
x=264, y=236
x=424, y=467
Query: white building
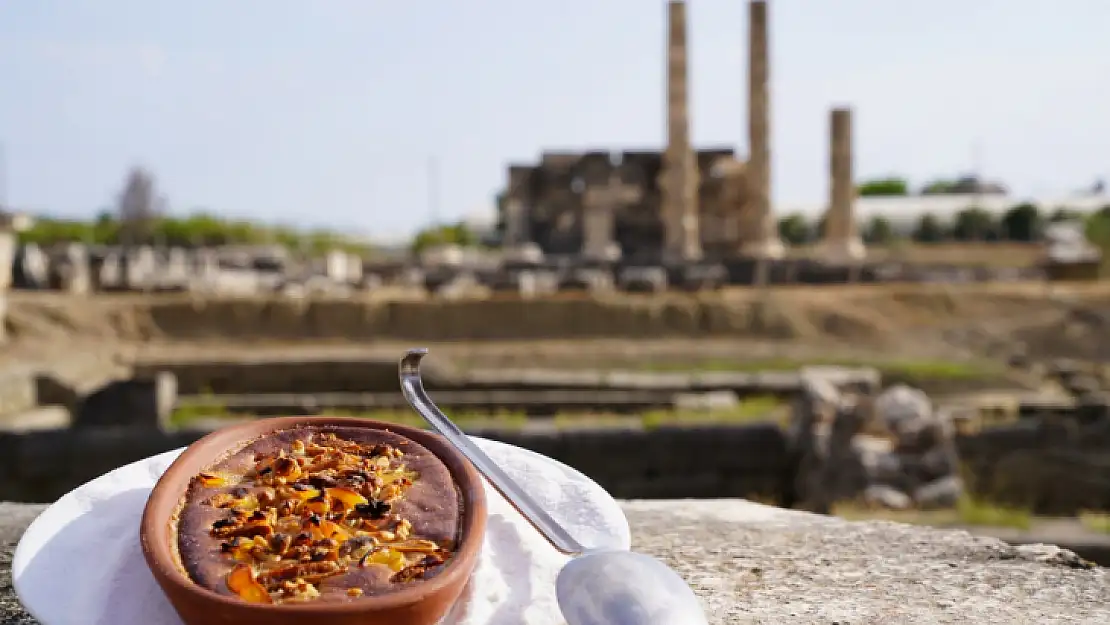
x=905, y=211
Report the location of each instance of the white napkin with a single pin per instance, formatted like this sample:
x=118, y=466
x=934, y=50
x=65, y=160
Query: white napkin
x=80, y=564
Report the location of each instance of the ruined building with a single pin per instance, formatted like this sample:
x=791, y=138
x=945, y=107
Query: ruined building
x=582, y=204
x=675, y=205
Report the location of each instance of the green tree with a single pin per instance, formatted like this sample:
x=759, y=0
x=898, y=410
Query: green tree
x=878, y=231
x=883, y=187
x=1062, y=213
x=795, y=230
x=1097, y=228
x=929, y=229
x=938, y=187
x=1022, y=223
x=139, y=207
x=199, y=229
x=974, y=224
x=452, y=234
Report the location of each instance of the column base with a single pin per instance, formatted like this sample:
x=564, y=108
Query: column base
x=685, y=257
x=767, y=249
x=528, y=253
x=609, y=253
x=841, y=250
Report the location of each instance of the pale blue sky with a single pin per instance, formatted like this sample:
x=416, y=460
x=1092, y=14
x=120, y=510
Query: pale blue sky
x=327, y=112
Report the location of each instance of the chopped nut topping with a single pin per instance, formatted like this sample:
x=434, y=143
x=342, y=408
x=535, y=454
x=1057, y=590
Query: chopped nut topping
x=313, y=511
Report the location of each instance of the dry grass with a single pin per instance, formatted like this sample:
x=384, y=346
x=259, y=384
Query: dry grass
x=988, y=254
x=907, y=369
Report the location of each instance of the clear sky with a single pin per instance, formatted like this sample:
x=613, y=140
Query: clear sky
x=329, y=112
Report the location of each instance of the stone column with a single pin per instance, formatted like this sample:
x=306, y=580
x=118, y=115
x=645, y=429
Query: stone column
x=681, y=239
x=597, y=239
x=841, y=241
x=516, y=226
x=600, y=205
x=760, y=237
x=76, y=276
x=517, y=230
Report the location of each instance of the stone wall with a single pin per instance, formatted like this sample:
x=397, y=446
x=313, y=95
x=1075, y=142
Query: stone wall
x=493, y=319
x=1021, y=464
x=360, y=374
x=720, y=461
x=1053, y=466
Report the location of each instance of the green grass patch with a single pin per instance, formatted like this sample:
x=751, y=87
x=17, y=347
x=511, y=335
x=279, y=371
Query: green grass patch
x=184, y=415
x=980, y=513
x=968, y=512
x=1095, y=521
x=750, y=410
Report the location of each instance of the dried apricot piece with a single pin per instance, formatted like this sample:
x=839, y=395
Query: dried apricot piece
x=348, y=498
x=395, y=560
x=211, y=480
x=306, y=494
x=242, y=582
x=330, y=529
x=319, y=505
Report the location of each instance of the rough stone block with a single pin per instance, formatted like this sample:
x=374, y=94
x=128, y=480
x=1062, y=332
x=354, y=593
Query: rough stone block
x=143, y=403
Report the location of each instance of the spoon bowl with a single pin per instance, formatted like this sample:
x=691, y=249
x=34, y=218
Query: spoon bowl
x=605, y=587
x=597, y=586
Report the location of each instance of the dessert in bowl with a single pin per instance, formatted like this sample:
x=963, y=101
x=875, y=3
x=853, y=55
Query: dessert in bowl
x=315, y=520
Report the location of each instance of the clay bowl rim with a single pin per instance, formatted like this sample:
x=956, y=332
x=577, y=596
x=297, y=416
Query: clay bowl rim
x=155, y=537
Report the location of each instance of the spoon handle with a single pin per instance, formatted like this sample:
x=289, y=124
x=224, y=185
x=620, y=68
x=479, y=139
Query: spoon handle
x=413, y=389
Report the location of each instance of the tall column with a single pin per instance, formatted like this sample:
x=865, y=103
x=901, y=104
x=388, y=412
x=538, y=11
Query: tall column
x=841, y=241
x=761, y=237
x=679, y=182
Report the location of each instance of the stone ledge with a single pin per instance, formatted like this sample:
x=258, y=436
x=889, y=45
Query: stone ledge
x=757, y=564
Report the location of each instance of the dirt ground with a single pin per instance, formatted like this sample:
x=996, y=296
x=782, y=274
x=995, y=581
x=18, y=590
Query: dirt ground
x=996, y=254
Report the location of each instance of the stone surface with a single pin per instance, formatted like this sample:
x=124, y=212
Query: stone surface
x=755, y=564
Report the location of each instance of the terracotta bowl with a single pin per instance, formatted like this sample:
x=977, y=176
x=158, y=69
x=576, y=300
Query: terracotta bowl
x=422, y=604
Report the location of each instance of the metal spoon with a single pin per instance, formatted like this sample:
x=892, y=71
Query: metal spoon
x=598, y=586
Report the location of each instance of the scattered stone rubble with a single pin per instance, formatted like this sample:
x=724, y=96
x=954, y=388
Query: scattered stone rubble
x=79, y=268
x=894, y=450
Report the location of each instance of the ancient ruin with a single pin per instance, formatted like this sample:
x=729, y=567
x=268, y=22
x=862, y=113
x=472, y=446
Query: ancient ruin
x=569, y=204
x=678, y=205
